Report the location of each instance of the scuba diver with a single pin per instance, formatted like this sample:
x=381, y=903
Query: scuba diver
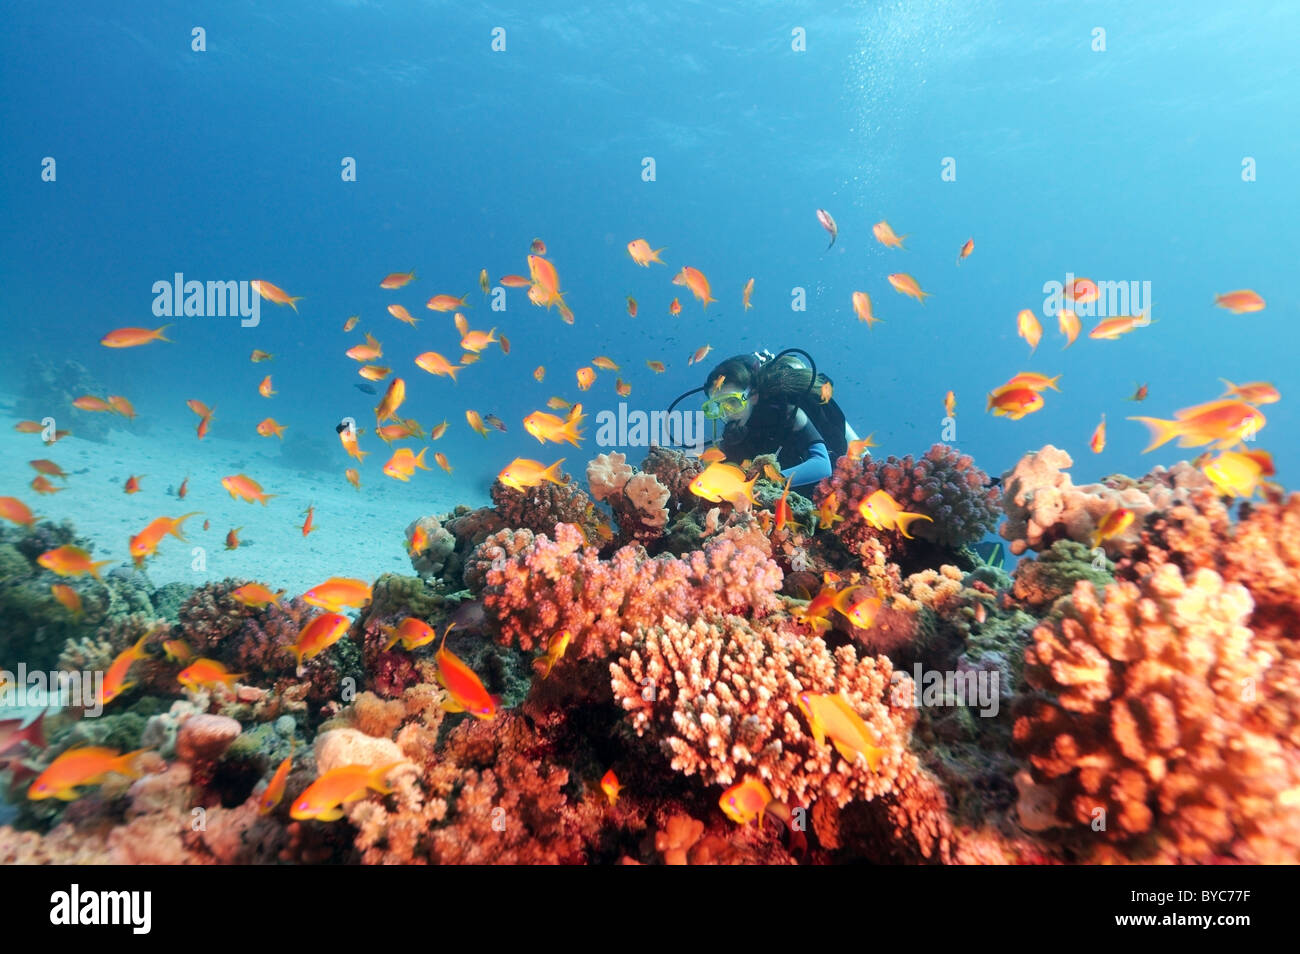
x=773, y=404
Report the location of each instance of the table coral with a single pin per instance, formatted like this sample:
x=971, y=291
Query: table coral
x=1161, y=713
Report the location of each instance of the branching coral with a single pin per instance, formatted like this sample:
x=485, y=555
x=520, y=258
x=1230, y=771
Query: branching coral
x=1163, y=714
x=550, y=586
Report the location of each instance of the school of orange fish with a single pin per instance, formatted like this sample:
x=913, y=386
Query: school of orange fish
x=1225, y=424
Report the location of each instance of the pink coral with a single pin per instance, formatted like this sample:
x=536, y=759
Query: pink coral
x=552, y=585
x=1043, y=505
x=1163, y=713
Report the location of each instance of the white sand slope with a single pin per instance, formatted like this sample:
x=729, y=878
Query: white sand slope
x=360, y=533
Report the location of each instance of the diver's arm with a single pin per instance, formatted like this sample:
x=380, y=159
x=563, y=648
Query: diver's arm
x=816, y=467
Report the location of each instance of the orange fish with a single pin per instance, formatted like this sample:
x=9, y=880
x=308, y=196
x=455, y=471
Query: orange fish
x=133, y=485
x=609, y=785
x=258, y=356
x=1027, y=327
x=861, y=446
x=539, y=373
x=860, y=610
x=255, y=595
x=547, y=427
x=521, y=473
x=184, y=488
x=115, y=683
x=89, y=403
x=862, y=308
x=586, y=377
x=145, y=543
x=504, y=342
x=1014, y=403
x=412, y=633
x=351, y=323
x=207, y=674
x=1238, y=474
x=950, y=405
x=337, y=592
x=277, y=296
x=204, y=424
x=744, y=295
x=122, y=406
x=831, y=716
x=694, y=279
x=374, y=372
x=438, y=431
x=232, y=538
x=372, y=350
x=1082, y=290
x=476, y=341
x=826, y=391
x=1141, y=393
x=274, y=791
x=401, y=466
x=70, y=560
x=271, y=428
x=675, y=307
x=1068, y=322
x=308, y=526
x=484, y=283
x=1254, y=392
x=1097, y=443
x=28, y=427
x=323, y=799
x=348, y=438
x=640, y=251
x=747, y=800
x=700, y=354
x=537, y=247
x=631, y=307
x=435, y=363
x=885, y=235
x=198, y=407
x=622, y=388
x=554, y=653
x=441, y=459
x=178, y=651
x=966, y=249
x=353, y=477
x=319, y=635
x=1111, y=328
x=558, y=403
x=243, y=487
x=446, y=302
x=397, y=280
x=15, y=511
x=514, y=281
x=42, y=485
x=828, y=513
x=656, y=366
x=1222, y=423
x=465, y=691
x=401, y=314
x=604, y=363
x=1112, y=525
x=782, y=512
x=88, y=765
x=1032, y=380
x=67, y=596
x=391, y=401
x=49, y=468
x=133, y=337
x=476, y=422
x=720, y=481
x=905, y=284
x=1239, y=302
x=883, y=512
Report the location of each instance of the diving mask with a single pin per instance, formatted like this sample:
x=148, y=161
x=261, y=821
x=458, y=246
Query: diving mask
x=725, y=405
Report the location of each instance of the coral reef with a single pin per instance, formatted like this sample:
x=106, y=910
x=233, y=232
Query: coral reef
x=1162, y=715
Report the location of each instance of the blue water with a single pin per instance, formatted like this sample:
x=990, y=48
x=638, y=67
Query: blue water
x=225, y=165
